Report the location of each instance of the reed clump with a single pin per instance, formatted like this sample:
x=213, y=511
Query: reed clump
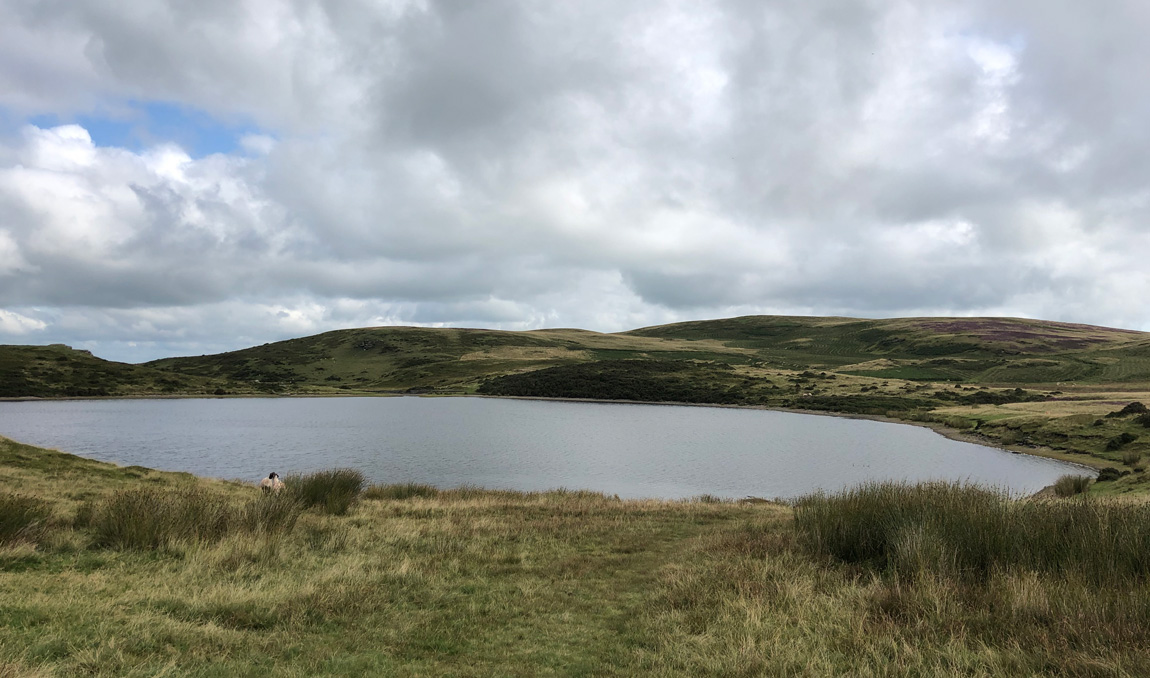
x=969, y=533
x=148, y=518
x=1070, y=485
x=22, y=519
x=332, y=491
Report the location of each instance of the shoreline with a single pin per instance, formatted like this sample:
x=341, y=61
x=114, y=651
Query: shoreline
x=939, y=428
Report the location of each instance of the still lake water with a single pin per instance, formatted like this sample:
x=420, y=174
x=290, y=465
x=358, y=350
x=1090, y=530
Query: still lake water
x=629, y=450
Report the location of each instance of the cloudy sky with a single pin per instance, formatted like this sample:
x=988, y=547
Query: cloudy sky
x=190, y=177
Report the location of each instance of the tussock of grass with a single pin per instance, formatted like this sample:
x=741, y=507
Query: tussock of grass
x=156, y=519
x=270, y=514
x=399, y=491
x=1070, y=485
x=964, y=531
x=333, y=491
x=22, y=518
x=153, y=519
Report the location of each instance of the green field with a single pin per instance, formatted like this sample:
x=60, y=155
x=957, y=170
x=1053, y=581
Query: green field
x=418, y=581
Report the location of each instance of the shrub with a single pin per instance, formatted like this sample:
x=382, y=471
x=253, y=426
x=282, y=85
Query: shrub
x=22, y=518
x=1070, y=485
x=1132, y=408
x=333, y=491
x=1109, y=474
x=1131, y=457
x=1119, y=441
x=1143, y=420
x=968, y=532
x=400, y=491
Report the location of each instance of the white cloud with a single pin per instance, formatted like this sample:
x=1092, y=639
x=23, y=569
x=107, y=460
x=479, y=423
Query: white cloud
x=19, y=325
x=602, y=164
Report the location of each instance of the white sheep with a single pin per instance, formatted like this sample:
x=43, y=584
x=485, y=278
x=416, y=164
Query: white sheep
x=272, y=483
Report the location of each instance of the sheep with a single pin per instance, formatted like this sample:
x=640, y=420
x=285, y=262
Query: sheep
x=272, y=483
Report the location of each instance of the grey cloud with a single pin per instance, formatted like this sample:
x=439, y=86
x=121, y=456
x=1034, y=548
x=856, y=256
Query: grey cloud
x=603, y=164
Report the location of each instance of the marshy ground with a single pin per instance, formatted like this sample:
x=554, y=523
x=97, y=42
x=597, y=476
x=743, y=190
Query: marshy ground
x=410, y=580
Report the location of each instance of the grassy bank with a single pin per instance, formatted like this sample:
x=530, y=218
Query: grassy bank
x=409, y=579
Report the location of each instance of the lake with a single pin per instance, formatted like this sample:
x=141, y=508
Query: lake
x=630, y=450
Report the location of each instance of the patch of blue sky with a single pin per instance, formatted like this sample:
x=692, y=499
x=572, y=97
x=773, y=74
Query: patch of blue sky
x=139, y=124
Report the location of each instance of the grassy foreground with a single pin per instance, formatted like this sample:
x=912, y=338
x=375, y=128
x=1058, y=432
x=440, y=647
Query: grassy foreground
x=414, y=581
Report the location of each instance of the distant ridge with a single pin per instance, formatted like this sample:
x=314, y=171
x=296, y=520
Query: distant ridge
x=397, y=359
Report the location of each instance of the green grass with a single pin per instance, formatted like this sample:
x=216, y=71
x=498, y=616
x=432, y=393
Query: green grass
x=22, y=518
x=150, y=519
x=970, y=533
x=938, y=580
x=1070, y=485
x=400, y=491
x=333, y=491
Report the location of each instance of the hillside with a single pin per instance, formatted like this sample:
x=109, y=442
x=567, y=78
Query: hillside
x=59, y=371
x=990, y=351
x=1027, y=385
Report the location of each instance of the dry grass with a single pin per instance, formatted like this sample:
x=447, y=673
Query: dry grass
x=468, y=582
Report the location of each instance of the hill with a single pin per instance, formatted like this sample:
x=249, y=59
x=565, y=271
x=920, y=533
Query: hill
x=59, y=371
x=991, y=351
x=1027, y=385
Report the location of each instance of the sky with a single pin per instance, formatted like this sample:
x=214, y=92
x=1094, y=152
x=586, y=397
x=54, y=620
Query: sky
x=181, y=178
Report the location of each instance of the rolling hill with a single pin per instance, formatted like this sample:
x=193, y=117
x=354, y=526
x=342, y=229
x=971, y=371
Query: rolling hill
x=1028, y=385
x=987, y=351
x=59, y=371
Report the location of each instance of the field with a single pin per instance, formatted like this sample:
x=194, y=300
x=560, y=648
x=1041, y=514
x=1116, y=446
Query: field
x=1030, y=386
x=419, y=581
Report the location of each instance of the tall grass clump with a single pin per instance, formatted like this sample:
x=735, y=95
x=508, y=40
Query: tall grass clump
x=968, y=532
x=270, y=514
x=156, y=519
x=334, y=491
x=399, y=491
x=1070, y=485
x=152, y=519
x=22, y=518
x=905, y=528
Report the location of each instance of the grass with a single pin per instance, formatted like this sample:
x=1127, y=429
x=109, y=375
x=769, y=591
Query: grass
x=468, y=582
x=1070, y=485
x=400, y=491
x=332, y=491
x=971, y=533
x=22, y=518
x=149, y=518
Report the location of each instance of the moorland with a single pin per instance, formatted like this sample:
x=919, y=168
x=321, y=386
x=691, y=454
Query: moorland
x=127, y=571
x=1074, y=392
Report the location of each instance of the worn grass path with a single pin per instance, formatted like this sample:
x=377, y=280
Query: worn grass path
x=464, y=583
